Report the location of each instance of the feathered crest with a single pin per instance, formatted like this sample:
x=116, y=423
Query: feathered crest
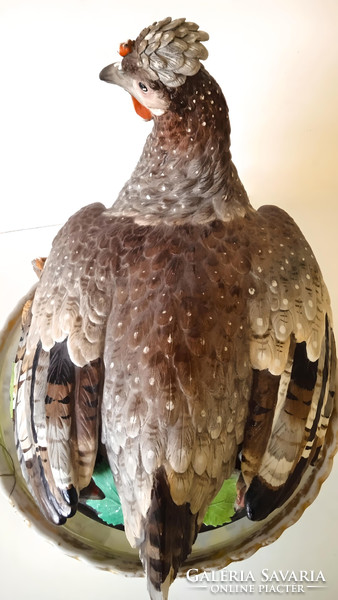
x=171, y=50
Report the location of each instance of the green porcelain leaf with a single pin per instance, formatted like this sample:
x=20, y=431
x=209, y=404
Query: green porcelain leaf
x=109, y=509
x=222, y=508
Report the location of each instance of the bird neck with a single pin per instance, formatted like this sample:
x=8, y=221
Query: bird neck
x=185, y=172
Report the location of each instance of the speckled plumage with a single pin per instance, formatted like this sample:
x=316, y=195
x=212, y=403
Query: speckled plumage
x=192, y=325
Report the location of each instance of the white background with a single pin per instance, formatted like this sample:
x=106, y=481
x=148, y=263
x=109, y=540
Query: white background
x=67, y=139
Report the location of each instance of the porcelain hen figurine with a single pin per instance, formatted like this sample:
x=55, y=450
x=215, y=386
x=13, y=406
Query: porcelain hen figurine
x=186, y=330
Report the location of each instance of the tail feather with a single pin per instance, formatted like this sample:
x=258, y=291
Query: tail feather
x=170, y=531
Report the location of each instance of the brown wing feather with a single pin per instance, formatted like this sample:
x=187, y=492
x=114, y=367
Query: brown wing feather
x=29, y=426
x=258, y=427
x=86, y=419
x=292, y=338
x=56, y=423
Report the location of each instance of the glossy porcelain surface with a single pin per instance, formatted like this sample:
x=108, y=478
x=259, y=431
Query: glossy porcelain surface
x=59, y=126
x=107, y=547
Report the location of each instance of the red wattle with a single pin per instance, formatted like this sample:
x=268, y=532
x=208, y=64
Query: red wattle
x=141, y=110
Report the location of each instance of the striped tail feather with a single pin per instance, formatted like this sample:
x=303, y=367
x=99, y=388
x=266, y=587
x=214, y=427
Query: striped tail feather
x=297, y=432
x=170, y=531
x=56, y=410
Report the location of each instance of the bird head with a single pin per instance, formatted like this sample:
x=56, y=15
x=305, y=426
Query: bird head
x=157, y=63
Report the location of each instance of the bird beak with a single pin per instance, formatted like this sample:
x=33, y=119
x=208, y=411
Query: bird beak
x=114, y=74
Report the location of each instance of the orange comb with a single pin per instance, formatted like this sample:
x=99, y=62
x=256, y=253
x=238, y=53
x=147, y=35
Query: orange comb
x=126, y=47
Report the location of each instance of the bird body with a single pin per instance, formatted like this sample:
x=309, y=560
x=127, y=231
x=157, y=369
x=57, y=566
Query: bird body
x=180, y=326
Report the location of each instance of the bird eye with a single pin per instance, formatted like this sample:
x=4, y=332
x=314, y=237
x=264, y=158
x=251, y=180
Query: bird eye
x=143, y=87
